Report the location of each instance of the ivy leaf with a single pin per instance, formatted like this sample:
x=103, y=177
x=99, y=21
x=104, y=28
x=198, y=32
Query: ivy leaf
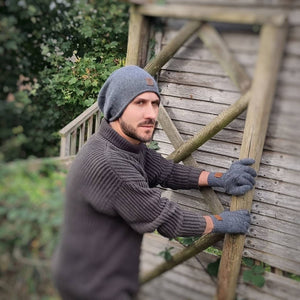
x=153, y=145
x=72, y=80
x=187, y=241
x=259, y=270
x=213, y=268
x=249, y=276
x=249, y=262
x=166, y=254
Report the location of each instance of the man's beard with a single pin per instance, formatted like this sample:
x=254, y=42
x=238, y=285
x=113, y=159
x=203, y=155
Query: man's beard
x=130, y=131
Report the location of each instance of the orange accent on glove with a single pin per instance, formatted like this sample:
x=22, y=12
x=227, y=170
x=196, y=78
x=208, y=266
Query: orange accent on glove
x=218, y=174
x=218, y=217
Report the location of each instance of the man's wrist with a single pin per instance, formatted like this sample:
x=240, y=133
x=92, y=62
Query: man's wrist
x=214, y=179
x=209, y=225
x=203, y=178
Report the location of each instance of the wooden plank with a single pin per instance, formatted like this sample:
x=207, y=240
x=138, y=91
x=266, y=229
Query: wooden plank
x=271, y=48
x=80, y=119
x=216, y=44
x=203, y=80
x=215, y=14
x=273, y=260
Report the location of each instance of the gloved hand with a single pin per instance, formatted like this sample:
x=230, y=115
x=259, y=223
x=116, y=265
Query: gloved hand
x=229, y=222
x=238, y=180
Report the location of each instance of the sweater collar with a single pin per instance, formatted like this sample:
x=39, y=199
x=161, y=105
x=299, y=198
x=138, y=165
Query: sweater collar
x=112, y=136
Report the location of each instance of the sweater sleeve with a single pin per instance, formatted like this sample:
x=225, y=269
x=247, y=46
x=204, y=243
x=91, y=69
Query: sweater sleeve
x=145, y=210
x=169, y=174
x=120, y=187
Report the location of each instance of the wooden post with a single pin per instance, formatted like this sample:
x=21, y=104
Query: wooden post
x=272, y=42
x=137, y=38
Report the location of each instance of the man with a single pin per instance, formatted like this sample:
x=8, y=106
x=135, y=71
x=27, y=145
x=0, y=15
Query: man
x=112, y=198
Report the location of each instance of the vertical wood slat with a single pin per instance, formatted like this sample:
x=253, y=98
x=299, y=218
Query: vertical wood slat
x=73, y=142
x=81, y=135
x=97, y=121
x=65, y=145
x=272, y=41
x=90, y=126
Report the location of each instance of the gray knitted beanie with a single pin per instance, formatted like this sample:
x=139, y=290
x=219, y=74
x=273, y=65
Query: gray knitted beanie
x=121, y=87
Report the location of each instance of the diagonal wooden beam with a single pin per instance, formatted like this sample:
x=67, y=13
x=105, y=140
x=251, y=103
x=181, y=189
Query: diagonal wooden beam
x=211, y=129
x=155, y=64
x=174, y=136
x=272, y=41
x=215, y=43
x=203, y=243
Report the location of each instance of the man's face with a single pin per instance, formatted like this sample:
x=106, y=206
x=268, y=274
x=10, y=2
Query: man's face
x=138, y=119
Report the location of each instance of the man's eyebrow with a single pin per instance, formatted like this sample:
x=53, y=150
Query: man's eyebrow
x=145, y=99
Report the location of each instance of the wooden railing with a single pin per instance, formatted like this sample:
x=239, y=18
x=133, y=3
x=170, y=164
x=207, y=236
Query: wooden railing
x=76, y=133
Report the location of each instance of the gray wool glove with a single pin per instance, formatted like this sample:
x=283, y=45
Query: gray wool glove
x=231, y=222
x=238, y=180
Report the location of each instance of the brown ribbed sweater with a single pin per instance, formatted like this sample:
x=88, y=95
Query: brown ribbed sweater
x=111, y=200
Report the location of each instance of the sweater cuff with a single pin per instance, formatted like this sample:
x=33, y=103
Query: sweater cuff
x=192, y=225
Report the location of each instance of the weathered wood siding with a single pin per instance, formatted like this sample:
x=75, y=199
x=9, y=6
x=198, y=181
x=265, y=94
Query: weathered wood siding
x=190, y=281
x=194, y=90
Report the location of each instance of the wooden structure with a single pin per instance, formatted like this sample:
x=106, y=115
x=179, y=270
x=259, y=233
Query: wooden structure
x=211, y=66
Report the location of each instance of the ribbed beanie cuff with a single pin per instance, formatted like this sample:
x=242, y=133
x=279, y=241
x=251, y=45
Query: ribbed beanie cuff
x=121, y=87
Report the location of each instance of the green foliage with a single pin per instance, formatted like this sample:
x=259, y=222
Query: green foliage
x=254, y=275
x=31, y=205
x=213, y=268
x=153, y=145
x=187, y=241
x=55, y=56
x=166, y=254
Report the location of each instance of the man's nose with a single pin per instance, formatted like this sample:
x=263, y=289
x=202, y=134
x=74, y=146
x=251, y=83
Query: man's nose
x=150, y=112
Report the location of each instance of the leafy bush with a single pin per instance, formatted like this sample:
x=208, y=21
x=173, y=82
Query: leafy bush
x=55, y=56
x=31, y=200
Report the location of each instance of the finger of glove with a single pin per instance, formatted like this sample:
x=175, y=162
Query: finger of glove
x=242, y=212
x=239, y=190
x=250, y=171
x=246, y=179
x=242, y=169
x=246, y=161
x=244, y=228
